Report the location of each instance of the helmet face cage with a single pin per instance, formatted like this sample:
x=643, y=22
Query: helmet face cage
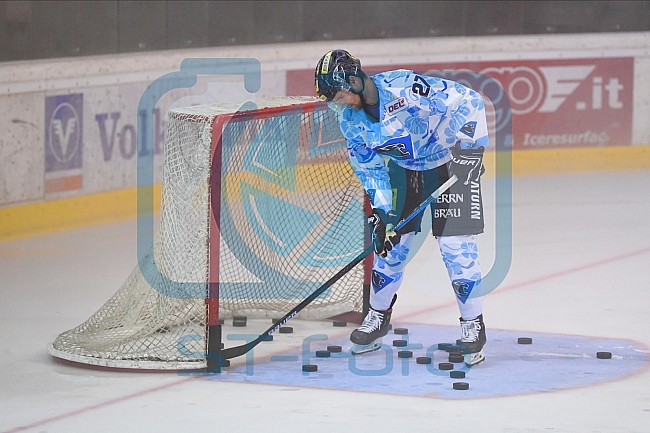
x=333, y=72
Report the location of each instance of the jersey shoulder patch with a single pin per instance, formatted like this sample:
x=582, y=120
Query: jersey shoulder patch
x=395, y=106
x=469, y=129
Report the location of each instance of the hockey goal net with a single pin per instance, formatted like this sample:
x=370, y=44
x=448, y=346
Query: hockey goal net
x=259, y=208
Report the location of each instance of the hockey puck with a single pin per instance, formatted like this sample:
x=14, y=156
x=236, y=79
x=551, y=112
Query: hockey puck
x=604, y=355
x=240, y=318
x=444, y=346
x=456, y=357
x=275, y=320
x=524, y=340
x=446, y=366
x=322, y=354
x=400, y=343
x=334, y=349
x=286, y=330
x=238, y=323
x=457, y=374
x=423, y=360
x=453, y=349
x=461, y=385
x=309, y=368
x=340, y=323
x=266, y=337
x=400, y=331
x=405, y=354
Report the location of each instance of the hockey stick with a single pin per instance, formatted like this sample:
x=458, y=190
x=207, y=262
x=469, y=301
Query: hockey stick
x=233, y=352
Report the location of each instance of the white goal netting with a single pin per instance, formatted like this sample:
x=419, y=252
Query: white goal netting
x=290, y=215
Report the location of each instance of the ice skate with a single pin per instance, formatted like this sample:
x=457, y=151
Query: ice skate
x=472, y=341
x=368, y=336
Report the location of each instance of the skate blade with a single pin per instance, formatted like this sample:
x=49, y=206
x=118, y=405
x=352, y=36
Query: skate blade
x=473, y=359
x=359, y=349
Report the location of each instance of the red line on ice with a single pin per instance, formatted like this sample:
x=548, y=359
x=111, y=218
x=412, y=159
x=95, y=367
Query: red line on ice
x=535, y=280
x=96, y=406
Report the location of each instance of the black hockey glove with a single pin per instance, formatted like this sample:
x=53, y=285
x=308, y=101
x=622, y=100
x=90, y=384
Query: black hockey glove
x=466, y=164
x=384, y=237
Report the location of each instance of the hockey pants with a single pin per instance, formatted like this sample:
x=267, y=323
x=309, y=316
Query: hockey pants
x=460, y=255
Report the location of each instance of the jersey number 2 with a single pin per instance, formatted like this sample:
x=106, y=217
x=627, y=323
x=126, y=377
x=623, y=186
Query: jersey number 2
x=421, y=89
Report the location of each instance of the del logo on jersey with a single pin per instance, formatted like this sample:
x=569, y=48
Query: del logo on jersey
x=396, y=106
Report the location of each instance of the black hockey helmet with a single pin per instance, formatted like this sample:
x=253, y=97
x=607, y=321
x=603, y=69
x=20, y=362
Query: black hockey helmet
x=333, y=73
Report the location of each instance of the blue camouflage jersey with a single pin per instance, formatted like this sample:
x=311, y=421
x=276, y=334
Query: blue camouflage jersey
x=420, y=118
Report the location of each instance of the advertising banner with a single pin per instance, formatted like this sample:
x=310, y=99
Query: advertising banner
x=63, y=142
x=91, y=135
x=557, y=103
x=90, y=140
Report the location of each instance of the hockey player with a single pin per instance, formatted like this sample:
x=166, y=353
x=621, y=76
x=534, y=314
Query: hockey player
x=407, y=134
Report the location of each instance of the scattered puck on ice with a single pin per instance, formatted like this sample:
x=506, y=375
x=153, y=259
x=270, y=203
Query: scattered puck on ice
x=340, y=323
x=309, y=368
x=444, y=346
x=405, y=354
x=401, y=331
x=322, y=354
x=266, y=337
x=286, y=330
x=423, y=360
x=461, y=385
x=275, y=320
x=239, y=323
x=240, y=318
x=604, y=355
x=457, y=374
x=446, y=366
x=524, y=340
x=334, y=349
x=399, y=343
x=456, y=357
x=453, y=349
